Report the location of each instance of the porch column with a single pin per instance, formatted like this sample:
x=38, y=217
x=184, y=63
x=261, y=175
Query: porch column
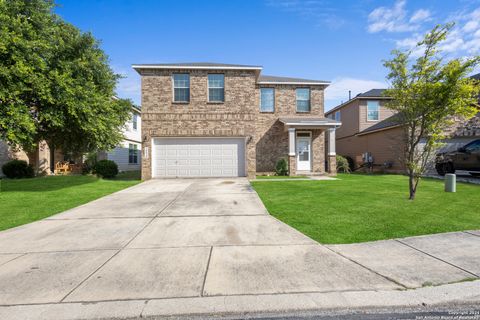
x=291, y=152
x=332, y=161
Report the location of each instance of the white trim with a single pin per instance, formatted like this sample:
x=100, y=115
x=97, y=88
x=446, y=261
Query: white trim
x=139, y=66
x=332, y=153
x=294, y=83
x=313, y=124
x=291, y=142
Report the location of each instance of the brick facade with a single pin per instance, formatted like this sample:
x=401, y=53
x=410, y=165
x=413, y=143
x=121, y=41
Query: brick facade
x=238, y=116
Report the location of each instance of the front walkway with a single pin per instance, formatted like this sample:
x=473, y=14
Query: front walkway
x=209, y=246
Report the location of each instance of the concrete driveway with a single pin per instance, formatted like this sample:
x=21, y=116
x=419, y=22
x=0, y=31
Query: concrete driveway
x=203, y=238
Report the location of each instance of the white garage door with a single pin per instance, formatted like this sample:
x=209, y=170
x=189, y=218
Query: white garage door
x=198, y=157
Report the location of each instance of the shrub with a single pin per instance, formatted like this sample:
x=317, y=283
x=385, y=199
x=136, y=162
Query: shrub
x=351, y=163
x=281, y=168
x=17, y=169
x=106, y=169
x=342, y=164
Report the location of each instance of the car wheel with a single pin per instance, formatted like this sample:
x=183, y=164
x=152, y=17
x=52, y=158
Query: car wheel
x=440, y=169
x=475, y=174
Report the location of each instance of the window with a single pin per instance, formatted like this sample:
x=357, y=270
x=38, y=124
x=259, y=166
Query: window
x=135, y=121
x=473, y=146
x=132, y=153
x=267, y=100
x=216, y=88
x=303, y=100
x=373, y=108
x=181, y=87
x=337, y=116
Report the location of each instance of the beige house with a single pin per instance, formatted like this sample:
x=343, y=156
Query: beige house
x=224, y=120
x=371, y=132
x=368, y=132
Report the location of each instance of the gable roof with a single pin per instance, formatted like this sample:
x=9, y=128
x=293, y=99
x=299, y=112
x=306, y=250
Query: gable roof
x=372, y=93
x=196, y=65
x=264, y=79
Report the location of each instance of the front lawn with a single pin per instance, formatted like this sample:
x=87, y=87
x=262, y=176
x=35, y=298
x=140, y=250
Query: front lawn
x=359, y=208
x=26, y=200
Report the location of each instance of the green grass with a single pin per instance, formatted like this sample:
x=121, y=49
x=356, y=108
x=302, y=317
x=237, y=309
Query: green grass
x=280, y=177
x=26, y=200
x=359, y=208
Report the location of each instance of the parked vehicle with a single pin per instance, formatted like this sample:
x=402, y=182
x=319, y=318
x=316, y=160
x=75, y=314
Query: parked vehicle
x=465, y=158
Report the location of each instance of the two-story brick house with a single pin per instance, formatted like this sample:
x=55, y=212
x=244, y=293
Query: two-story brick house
x=222, y=120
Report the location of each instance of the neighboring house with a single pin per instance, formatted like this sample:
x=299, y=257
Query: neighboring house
x=43, y=158
x=225, y=120
x=370, y=131
x=367, y=132
x=127, y=154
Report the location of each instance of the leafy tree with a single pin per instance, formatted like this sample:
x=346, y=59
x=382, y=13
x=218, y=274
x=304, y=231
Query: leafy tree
x=428, y=93
x=55, y=82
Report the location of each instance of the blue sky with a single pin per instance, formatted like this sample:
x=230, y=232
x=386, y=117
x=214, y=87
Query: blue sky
x=336, y=40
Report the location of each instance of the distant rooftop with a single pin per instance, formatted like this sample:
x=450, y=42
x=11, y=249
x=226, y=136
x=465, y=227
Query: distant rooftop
x=476, y=76
x=371, y=93
x=264, y=79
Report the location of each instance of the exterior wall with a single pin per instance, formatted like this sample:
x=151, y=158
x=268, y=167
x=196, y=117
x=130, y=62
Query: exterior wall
x=7, y=154
x=384, y=146
x=121, y=156
x=133, y=134
x=362, y=116
x=271, y=135
x=161, y=117
x=349, y=117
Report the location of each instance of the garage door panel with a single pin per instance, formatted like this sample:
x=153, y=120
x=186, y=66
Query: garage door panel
x=198, y=157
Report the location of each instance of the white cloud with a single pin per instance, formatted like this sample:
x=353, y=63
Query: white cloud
x=394, y=19
x=338, y=90
x=463, y=39
x=420, y=16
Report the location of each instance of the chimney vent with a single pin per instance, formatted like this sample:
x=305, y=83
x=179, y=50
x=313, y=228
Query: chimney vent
x=349, y=94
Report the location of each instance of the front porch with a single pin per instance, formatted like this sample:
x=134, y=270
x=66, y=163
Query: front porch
x=311, y=145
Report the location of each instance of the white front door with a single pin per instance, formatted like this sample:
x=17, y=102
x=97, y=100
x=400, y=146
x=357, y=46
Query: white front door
x=304, y=156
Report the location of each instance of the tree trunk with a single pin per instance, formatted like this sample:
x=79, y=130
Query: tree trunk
x=412, y=185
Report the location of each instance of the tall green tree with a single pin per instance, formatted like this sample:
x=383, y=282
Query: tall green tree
x=55, y=82
x=428, y=92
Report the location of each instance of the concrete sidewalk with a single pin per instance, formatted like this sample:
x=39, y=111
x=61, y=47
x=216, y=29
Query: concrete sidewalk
x=186, y=246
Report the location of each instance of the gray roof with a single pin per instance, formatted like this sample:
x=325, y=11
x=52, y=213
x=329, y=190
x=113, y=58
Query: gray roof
x=389, y=122
x=199, y=65
x=265, y=78
x=476, y=76
x=371, y=93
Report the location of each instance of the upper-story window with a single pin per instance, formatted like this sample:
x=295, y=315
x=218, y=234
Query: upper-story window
x=135, y=121
x=216, y=87
x=303, y=99
x=267, y=99
x=181, y=87
x=337, y=115
x=373, y=110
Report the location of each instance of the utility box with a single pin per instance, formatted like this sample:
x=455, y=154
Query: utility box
x=450, y=182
